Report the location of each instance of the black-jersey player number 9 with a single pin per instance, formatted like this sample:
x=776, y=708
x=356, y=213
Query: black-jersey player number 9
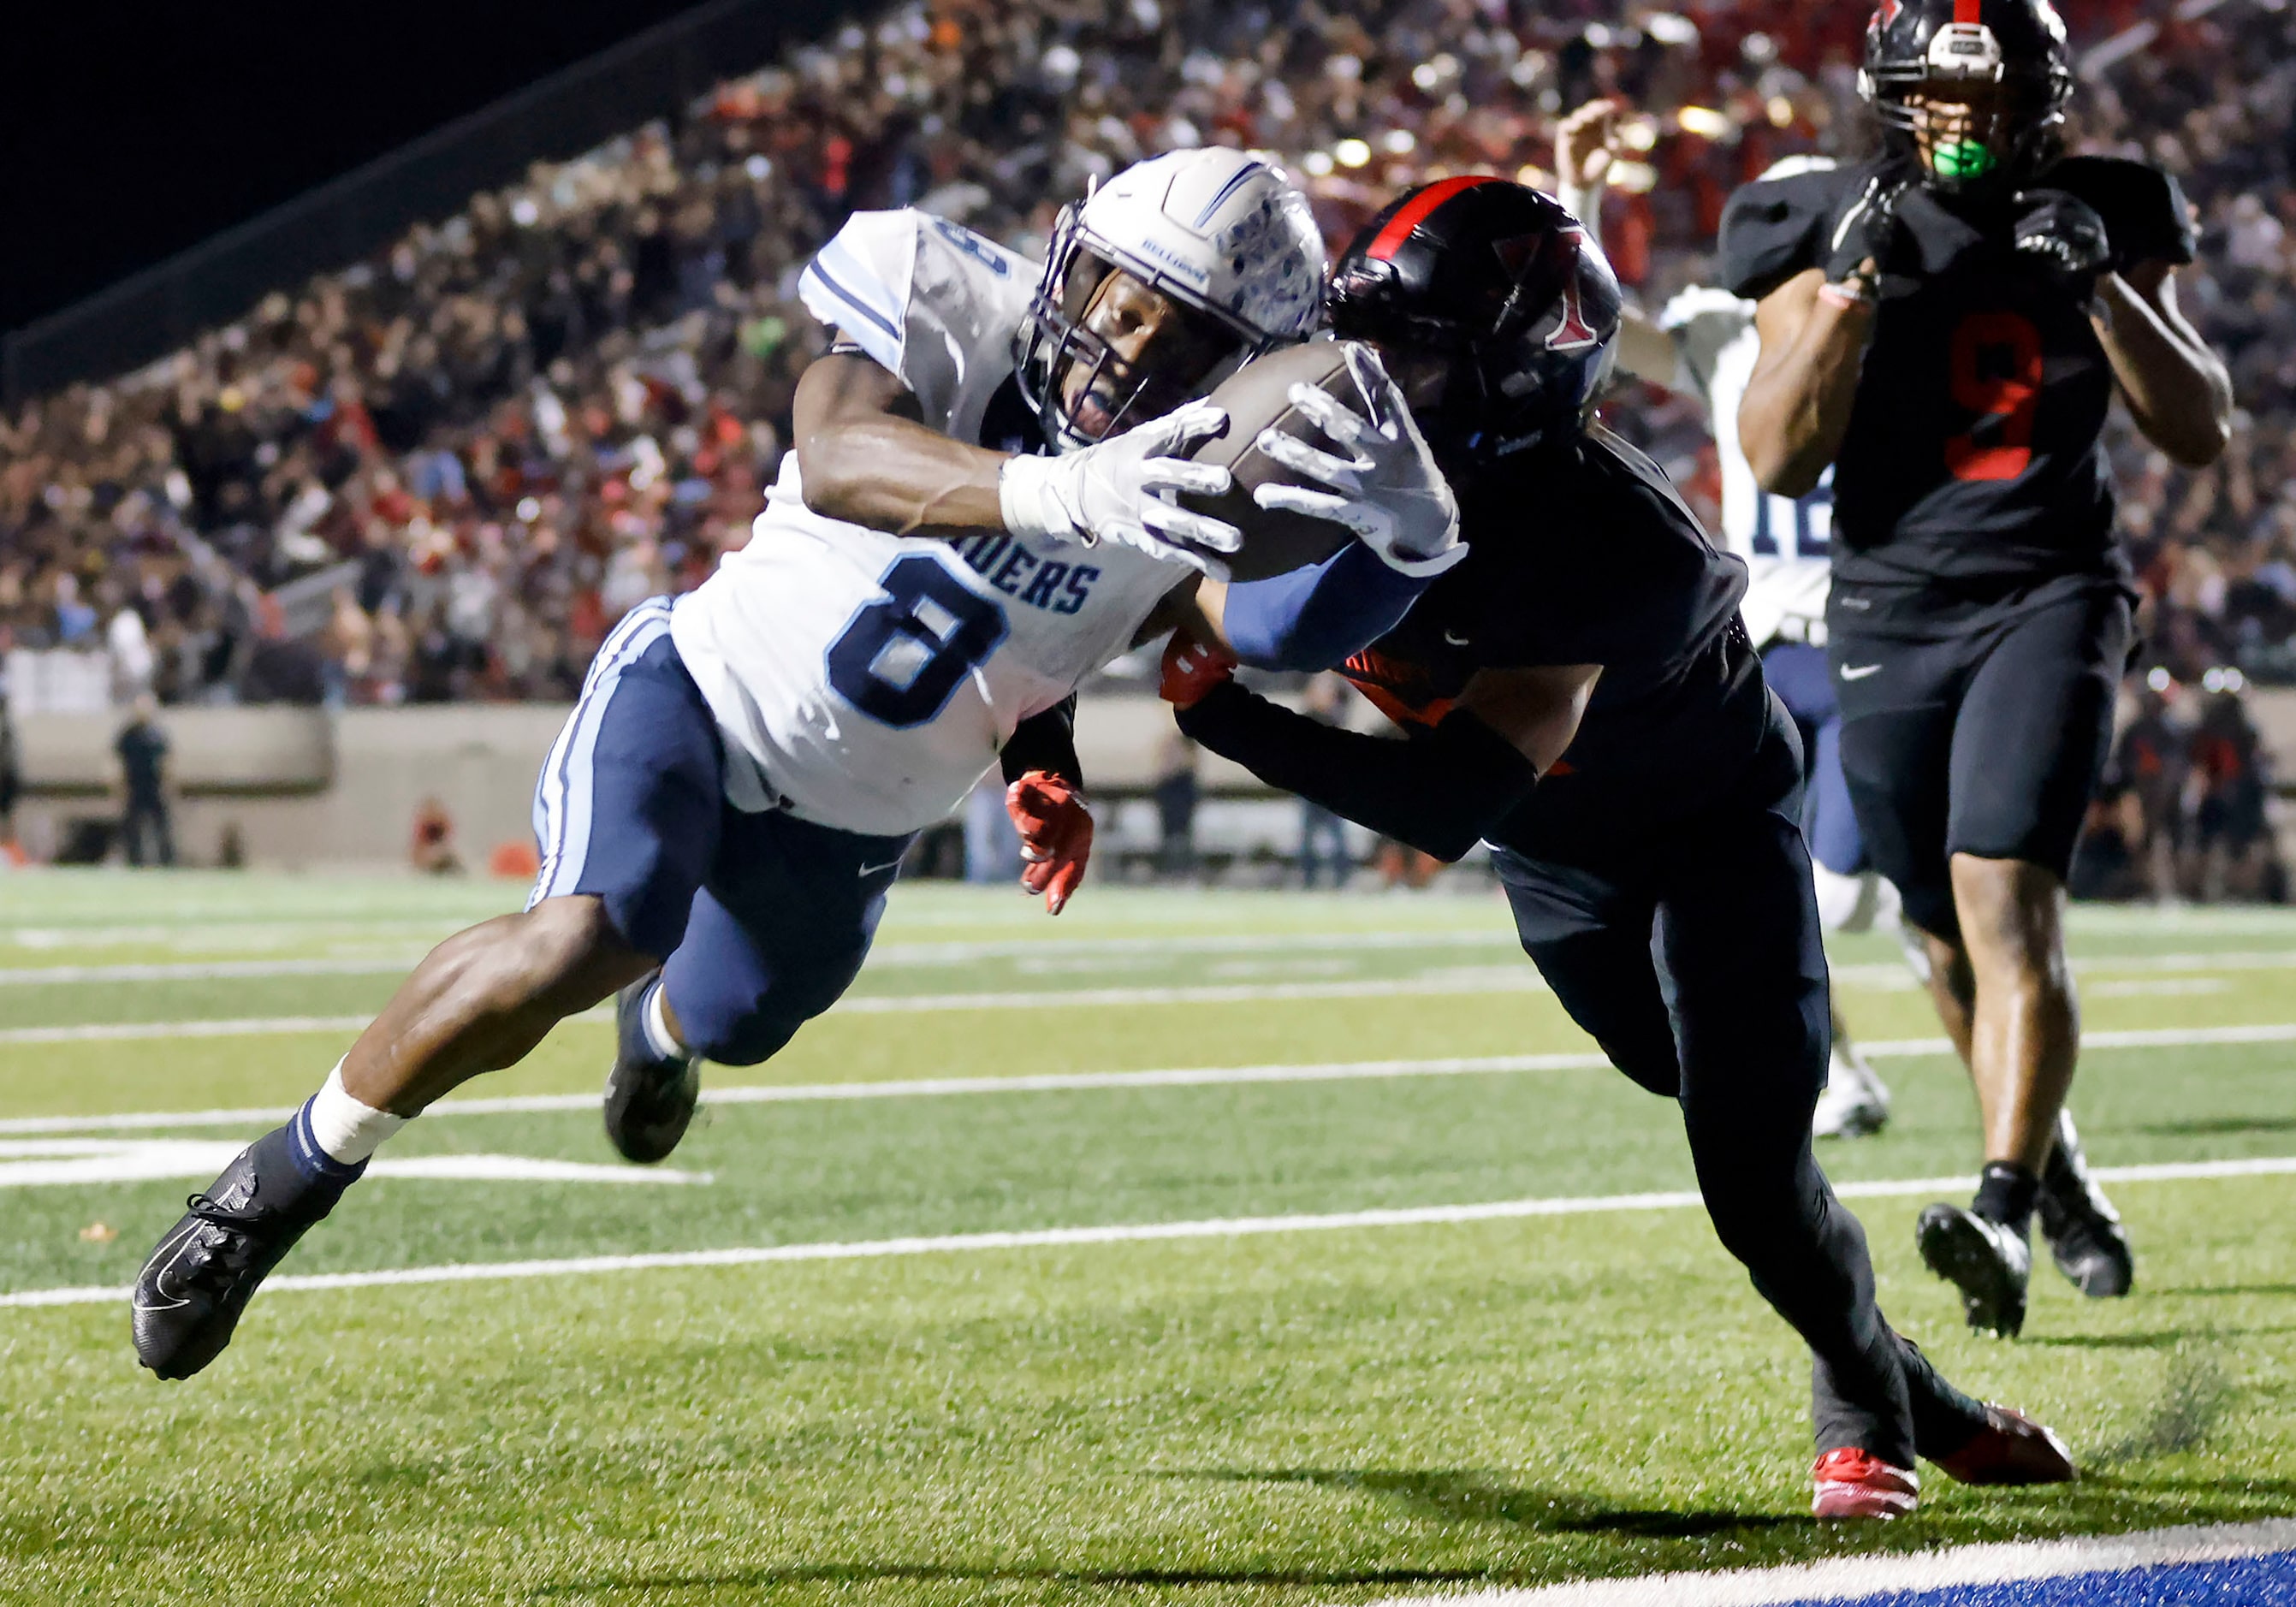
x=1994, y=369
x=905, y=652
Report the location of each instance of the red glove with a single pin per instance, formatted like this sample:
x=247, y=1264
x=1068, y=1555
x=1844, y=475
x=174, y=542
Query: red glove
x=1192, y=668
x=1056, y=835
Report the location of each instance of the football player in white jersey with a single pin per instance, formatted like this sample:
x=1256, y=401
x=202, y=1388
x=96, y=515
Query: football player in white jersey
x=725, y=808
x=1703, y=344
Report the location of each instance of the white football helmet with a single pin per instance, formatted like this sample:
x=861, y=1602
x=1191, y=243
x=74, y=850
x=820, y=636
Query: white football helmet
x=1217, y=230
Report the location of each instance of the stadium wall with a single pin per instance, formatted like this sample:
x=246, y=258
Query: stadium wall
x=653, y=74
x=306, y=787
x=303, y=787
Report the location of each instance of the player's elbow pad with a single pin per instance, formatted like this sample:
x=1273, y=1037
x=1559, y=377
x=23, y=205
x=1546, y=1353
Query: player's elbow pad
x=1316, y=618
x=1441, y=791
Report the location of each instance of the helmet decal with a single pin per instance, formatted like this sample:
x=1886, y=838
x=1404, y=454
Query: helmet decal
x=1573, y=332
x=1502, y=286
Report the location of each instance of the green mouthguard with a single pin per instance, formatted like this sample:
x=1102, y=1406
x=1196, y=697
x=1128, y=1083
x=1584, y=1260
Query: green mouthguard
x=1961, y=160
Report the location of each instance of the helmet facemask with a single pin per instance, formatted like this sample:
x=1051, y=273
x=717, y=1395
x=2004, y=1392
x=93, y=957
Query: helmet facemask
x=1071, y=370
x=1974, y=123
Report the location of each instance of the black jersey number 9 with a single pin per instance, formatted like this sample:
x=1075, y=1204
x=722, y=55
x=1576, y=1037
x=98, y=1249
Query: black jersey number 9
x=904, y=653
x=1995, y=369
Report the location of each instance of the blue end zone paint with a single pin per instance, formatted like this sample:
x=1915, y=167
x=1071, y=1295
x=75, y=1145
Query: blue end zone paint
x=2267, y=1581
x=2202, y=1565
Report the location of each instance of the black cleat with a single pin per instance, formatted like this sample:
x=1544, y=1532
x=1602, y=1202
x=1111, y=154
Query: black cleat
x=189, y=1294
x=1987, y=1263
x=649, y=1100
x=2083, y=1230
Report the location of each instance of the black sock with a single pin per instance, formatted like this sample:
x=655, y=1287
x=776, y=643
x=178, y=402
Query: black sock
x=2005, y=1194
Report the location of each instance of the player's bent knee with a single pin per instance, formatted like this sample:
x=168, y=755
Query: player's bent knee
x=742, y=1028
x=563, y=947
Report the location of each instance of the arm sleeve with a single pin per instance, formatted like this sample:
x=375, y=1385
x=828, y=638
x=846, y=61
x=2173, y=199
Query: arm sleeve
x=1044, y=742
x=1440, y=790
x=1315, y=618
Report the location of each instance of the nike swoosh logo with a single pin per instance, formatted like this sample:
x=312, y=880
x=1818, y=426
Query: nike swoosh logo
x=1858, y=672
x=171, y=1250
x=871, y=870
x=1455, y=641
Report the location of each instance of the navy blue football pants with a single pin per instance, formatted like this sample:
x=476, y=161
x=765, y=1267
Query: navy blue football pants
x=1798, y=674
x=1688, y=947
x=762, y=921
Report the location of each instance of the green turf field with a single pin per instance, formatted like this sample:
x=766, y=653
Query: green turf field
x=1321, y=1413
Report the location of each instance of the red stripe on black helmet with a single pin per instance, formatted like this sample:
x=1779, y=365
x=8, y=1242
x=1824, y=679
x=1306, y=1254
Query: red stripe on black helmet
x=1414, y=211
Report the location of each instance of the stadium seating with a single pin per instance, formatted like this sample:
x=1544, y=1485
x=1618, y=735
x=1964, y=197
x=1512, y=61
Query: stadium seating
x=470, y=454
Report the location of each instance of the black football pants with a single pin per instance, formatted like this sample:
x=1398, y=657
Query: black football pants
x=1979, y=730
x=1689, y=948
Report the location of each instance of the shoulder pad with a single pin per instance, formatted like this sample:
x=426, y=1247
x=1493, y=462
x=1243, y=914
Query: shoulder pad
x=2145, y=214
x=930, y=301
x=858, y=283
x=1772, y=229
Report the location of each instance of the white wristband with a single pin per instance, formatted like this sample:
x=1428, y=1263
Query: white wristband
x=1421, y=569
x=1025, y=498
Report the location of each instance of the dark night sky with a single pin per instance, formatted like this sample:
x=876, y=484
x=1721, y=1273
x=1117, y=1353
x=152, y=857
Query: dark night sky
x=131, y=130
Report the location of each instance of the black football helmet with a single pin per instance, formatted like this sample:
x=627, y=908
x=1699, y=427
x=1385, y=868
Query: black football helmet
x=2005, y=61
x=1502, y=282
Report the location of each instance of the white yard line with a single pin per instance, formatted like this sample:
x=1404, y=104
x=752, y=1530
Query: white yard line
x=1224, y=1227
x=1848, y=1579
x=77, y=1162
x=1172, y=1077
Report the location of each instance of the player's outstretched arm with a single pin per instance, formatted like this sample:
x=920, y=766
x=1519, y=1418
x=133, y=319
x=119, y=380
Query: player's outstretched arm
x=867, y=458
x=1442, y=790
x=2176, y=388
x=1796, y=408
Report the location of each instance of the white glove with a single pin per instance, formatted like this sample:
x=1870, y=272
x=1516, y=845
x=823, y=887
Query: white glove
x=1120, y=491
x=1388, y=490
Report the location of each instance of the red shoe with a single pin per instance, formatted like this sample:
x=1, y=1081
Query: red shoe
x=1850, y=1483
x=2011, y=1448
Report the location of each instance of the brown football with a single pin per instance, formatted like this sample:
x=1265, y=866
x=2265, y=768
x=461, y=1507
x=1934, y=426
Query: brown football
x=1256, y=396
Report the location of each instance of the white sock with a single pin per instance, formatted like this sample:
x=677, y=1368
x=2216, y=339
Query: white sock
x=1845, y=903
x=347, y=1129
x=659, y=1039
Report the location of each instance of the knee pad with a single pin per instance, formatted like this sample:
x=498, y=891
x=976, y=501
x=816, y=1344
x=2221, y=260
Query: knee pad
x=1848, y=904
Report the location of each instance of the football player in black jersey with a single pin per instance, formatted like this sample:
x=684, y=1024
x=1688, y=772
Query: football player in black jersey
x=1579, y=693
x=1947, y=324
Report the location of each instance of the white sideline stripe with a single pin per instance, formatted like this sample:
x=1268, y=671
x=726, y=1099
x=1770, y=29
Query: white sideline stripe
x=1494, y=978
x=881, y=956
x=1462, y=981
x=1847, y=1578
x=1175, y=1076
x=1131, y=1233
x=1872, y=973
